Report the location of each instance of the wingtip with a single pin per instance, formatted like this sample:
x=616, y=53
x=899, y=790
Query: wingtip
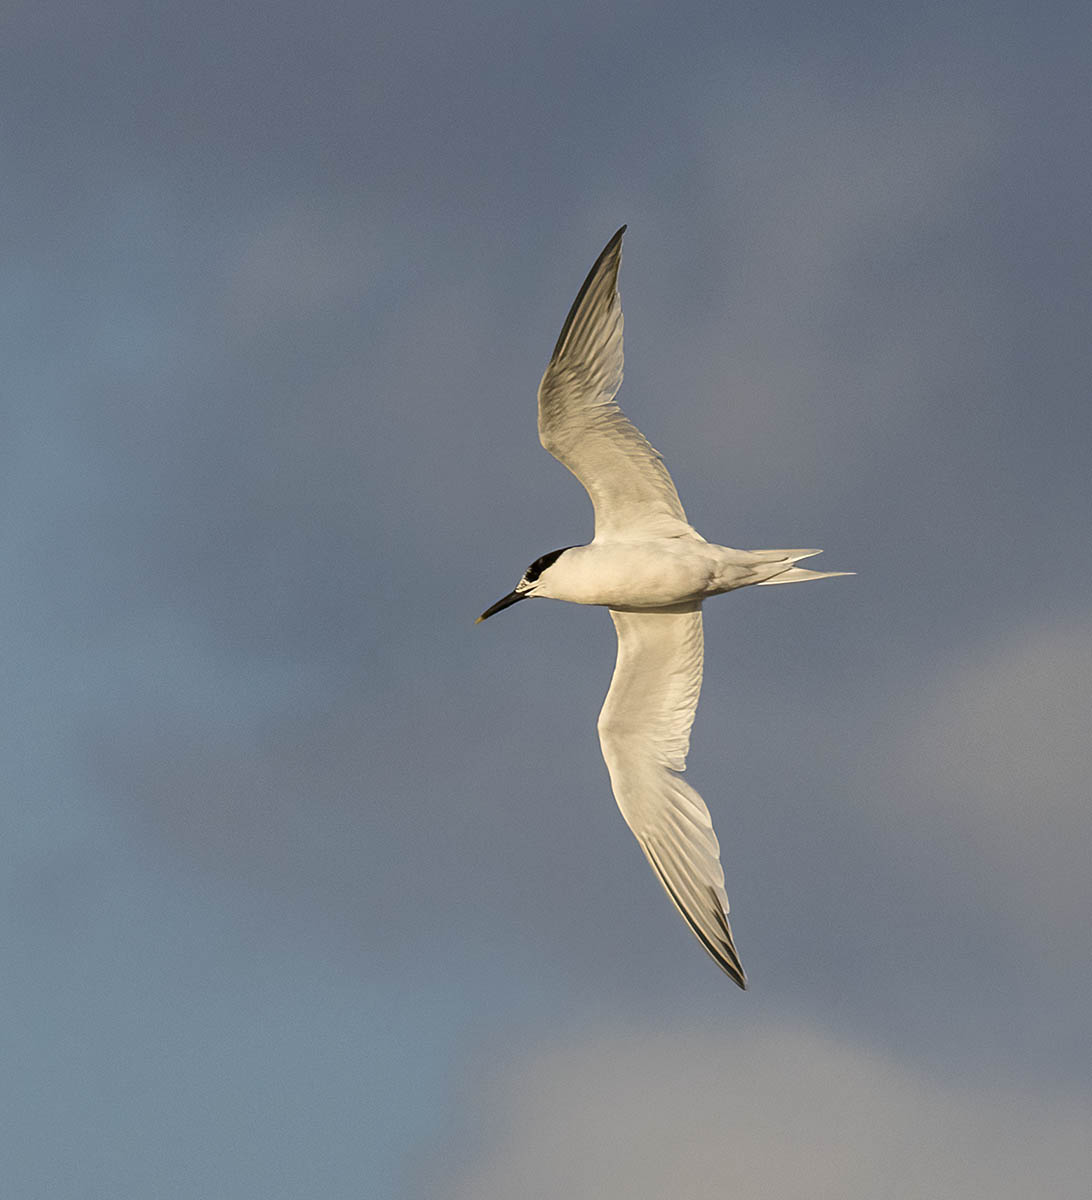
x=611, y=254
x=720, y=947
x=611, y=247
x=732, y=967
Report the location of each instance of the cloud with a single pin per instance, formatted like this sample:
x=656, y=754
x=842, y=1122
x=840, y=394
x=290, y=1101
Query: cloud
x=305, y=261
x=833, y=294
x=775, y=1111
x=999, y=755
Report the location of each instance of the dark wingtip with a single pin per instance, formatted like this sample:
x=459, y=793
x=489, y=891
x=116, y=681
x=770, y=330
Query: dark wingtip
x=608, y=250
x=612, y=245
x=724, y=952
x=733, y=968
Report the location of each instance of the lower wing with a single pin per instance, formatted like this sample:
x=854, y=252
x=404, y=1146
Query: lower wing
x=644, y=730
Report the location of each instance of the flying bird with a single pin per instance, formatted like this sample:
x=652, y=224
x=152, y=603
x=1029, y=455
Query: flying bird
x=651, y=569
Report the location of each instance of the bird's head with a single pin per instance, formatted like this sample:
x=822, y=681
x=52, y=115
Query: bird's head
x=533, y=579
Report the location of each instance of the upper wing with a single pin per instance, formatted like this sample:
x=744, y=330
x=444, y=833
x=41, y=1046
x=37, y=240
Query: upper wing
x=585, y=430
x=644, y=730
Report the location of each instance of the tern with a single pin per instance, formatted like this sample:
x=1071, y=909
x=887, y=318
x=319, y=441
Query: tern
x=651, y=569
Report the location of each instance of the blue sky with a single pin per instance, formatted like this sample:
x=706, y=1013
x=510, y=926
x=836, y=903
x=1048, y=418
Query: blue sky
x=314, y=889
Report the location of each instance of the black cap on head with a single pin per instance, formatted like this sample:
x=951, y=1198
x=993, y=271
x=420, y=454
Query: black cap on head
x=540, y=564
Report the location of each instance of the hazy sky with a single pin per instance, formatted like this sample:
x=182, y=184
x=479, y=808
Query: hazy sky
x=313, y=889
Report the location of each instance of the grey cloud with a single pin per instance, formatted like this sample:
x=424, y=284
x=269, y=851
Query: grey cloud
x=280, y=284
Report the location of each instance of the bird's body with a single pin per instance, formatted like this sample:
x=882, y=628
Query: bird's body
x=658, y=572
x=652, y=570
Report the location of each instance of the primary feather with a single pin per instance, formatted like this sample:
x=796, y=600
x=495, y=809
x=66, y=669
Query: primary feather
x=580, y=424
x=644, y=731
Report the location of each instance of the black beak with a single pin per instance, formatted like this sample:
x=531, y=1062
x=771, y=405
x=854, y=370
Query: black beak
x=511, y=598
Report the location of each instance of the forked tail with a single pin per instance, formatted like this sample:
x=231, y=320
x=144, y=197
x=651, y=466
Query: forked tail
x=796, y=574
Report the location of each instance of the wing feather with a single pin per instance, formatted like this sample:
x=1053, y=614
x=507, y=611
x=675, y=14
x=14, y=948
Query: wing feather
x=644, y=730
x=581, y=425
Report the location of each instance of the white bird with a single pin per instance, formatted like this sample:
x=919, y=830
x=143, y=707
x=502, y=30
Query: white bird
x=652, y=570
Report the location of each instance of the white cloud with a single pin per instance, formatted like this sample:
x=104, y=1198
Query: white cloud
x=1001, y=755
x=767, y=1112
